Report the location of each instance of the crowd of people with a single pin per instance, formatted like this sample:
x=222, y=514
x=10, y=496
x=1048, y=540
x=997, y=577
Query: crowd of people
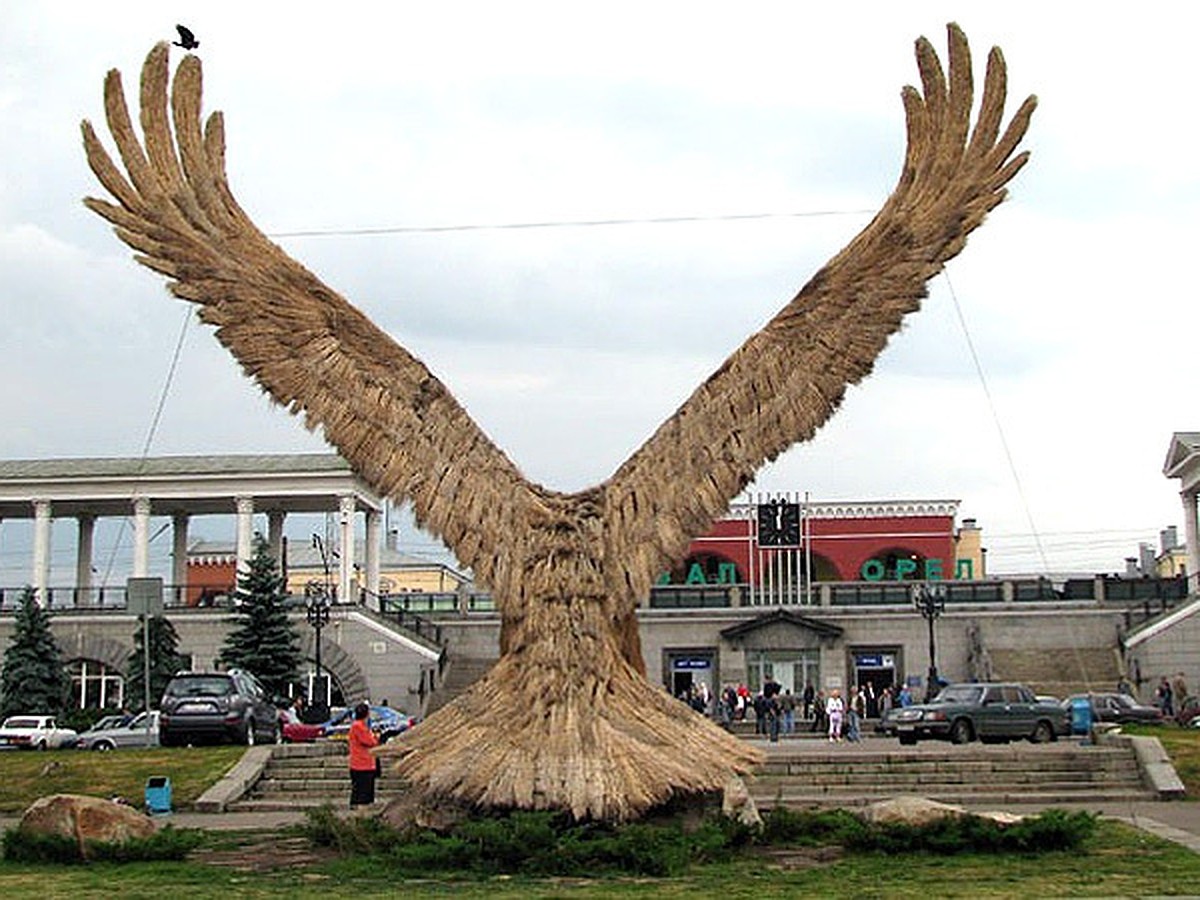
x=777, y=711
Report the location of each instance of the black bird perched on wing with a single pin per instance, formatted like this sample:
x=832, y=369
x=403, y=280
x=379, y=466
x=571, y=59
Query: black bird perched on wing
x=187, y=40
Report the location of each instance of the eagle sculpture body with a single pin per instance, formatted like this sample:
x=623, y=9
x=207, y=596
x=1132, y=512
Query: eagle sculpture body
x=566, y=719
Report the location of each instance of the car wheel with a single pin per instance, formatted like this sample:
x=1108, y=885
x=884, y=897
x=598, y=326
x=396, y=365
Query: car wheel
x=41, y=745
x=104, y=746
x=961, y=731
x=1042, y=733
x=908, y=740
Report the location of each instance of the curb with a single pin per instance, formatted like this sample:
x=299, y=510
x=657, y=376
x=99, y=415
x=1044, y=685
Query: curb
x=235, y=783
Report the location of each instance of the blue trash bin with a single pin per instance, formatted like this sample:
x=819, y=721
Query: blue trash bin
x=158, y=795
x=1081, y=716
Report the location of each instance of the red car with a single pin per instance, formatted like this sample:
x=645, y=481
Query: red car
x=293, y=731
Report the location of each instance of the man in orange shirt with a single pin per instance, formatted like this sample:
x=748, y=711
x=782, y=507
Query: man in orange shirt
x=363, y=764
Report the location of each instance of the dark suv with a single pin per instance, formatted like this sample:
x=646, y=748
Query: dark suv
x=216, y=706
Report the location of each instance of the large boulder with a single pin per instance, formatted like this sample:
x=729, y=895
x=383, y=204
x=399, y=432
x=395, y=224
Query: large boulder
x=85, y=819
x=912, y=810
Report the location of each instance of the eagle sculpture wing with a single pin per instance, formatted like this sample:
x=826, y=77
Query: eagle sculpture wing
x=388, y=416
x=782, y=384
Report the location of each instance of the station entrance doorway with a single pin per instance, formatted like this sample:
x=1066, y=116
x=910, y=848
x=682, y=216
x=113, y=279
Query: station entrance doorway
x=874, y=671
x=689, y=669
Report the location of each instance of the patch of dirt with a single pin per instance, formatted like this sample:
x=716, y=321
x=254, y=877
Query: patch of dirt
x=266, y=854
x=787, y=859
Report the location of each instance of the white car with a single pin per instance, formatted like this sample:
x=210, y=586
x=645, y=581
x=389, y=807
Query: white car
x=110, y=737
x=35, y=732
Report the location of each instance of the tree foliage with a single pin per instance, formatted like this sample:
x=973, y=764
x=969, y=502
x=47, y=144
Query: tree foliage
x=33, y=680
x=165, y=661
x=264, y=641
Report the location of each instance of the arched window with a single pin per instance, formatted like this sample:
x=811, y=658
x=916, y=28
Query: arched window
x=95, y=685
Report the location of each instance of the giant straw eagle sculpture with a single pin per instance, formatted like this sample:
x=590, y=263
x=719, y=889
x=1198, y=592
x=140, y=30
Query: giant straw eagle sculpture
x=566, y=719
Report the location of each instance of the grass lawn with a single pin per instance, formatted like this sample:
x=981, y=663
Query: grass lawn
x=26, y=775
x=1118, y=861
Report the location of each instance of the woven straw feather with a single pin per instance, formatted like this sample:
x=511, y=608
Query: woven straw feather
x=566, y=719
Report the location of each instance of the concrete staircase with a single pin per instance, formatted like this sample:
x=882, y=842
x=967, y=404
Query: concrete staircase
x=461, y=673
x=302, y=776
x=803, y=773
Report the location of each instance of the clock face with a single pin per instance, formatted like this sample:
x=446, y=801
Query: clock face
x=779, y=524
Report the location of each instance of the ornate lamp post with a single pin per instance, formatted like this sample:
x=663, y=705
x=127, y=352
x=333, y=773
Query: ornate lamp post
x=316, y=610
x=929, y=599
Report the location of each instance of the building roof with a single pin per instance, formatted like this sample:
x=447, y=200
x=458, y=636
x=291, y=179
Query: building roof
x=158, y=466
x=191, y=485
x=776, y=616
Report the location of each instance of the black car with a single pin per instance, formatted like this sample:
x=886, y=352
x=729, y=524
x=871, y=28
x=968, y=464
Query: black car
x=992, y=713
x=1119, y=708
x=216, y=706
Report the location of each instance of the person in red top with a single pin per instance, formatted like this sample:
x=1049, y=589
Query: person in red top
x=363, y=764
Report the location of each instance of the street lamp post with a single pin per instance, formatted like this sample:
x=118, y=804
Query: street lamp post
x=930, y=601
x=316, y=610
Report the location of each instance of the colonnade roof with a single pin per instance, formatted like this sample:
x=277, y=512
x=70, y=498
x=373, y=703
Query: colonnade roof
x=192, y=485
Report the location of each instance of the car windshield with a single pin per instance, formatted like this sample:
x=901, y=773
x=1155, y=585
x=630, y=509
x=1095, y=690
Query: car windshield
x=21, y=723
x=214, y=686
x=959, y=693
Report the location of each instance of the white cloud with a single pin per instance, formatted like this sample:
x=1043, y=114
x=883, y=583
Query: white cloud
x=571, y=345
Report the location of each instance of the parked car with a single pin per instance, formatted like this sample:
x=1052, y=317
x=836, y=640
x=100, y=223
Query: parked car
x=35, y=733
x=216, y=706
x=295, y=731
x=384, y=721
x=1118, y=708
x=991, y=713
x=103, y=736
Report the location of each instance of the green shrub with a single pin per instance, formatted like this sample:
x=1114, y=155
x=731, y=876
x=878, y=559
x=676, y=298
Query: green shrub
x=21, y=845
x=30, y=847
x=1051, y=830
x=532, y=843
x=547, y=843
x=781, y=825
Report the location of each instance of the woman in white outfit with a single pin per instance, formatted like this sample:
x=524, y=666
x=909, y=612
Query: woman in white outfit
x=834, y=707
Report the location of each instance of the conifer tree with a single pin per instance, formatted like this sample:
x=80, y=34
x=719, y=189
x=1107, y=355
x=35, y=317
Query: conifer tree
x=165, y=661
x=33, y=680
x=264, y=642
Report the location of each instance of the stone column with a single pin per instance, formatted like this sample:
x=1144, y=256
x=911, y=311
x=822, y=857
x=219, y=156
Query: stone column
x=141, y=537
x=346, y=507
x=83, y=559
x=371, y=556
x=1193, y=544
x=179, y=552
x=41, y=551
x=245, y=533
x=275, y=520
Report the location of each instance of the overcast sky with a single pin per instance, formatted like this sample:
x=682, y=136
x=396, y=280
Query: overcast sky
x=571, y=344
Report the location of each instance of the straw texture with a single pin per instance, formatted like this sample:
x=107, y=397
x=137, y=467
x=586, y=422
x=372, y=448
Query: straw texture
x=566, y=719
